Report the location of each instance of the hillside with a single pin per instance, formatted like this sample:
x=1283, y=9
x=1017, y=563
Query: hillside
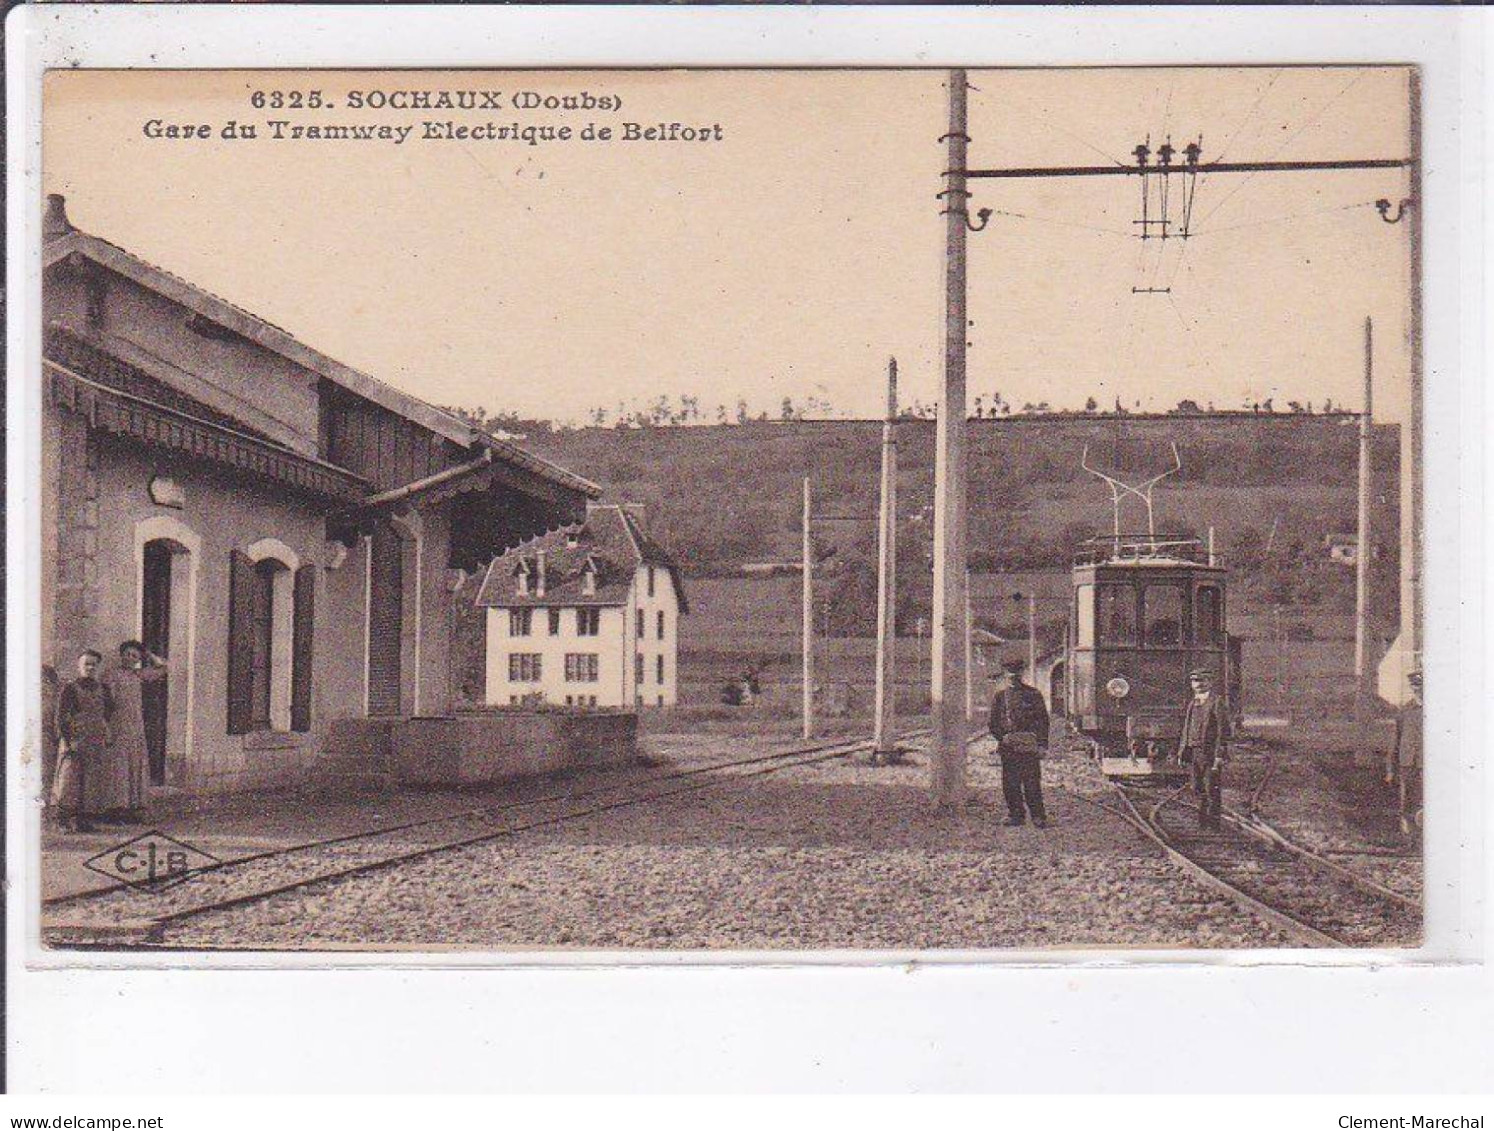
x=720, y=496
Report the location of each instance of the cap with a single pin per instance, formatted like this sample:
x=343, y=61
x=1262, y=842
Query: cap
x=1201, y=673
x=1017, y=666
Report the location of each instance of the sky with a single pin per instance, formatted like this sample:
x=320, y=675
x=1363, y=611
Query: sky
x=791, y=257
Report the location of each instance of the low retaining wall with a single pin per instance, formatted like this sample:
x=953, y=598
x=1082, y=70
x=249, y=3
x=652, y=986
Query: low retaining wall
x=480, y=748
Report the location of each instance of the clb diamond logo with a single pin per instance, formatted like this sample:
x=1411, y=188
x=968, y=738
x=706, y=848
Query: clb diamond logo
x=150, y=862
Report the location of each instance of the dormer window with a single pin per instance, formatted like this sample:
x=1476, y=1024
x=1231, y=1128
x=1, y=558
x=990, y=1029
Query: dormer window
x=589, y=578
x=521, y=578
x=573, y=538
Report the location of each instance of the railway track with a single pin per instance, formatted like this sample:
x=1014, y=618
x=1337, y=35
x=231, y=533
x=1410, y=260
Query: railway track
x=115, y=918
x=1313, y=900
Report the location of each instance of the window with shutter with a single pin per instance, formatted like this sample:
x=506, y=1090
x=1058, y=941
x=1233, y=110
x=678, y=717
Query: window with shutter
x=301, y=647
x=241, y=584
x=262, y=635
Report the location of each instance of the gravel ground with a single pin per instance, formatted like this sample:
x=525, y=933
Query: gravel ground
x=1316, y=796
x=835, y=856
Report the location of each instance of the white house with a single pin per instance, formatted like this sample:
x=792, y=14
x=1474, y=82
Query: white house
x=585, y=616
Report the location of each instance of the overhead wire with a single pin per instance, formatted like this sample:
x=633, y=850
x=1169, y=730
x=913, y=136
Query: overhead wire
x=1287, y=218
x=1061, y=223
x=1182, y=258
x=1260, y=96
x=1072, y=136
x=1183, y=321
x=1294, y=136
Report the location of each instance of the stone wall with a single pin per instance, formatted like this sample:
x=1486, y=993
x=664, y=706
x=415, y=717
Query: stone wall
x=486, y=747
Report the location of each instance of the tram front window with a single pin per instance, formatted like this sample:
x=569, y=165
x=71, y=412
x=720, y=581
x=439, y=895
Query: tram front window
x=1084, y=616
x=1162, y=613
x=1116, y=612
x=1210, y=621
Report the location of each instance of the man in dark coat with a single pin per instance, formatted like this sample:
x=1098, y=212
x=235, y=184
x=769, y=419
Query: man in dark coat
x=1204, y=745
x=1019, y=724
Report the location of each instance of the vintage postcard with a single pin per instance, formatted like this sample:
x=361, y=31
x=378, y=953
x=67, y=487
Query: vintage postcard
x=731, y=510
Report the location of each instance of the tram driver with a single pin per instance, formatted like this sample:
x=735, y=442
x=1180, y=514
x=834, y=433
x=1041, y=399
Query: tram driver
x=1019, y=724
x=1204, y=745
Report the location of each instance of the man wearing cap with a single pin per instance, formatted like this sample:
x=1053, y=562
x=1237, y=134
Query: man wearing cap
x=1204, y=745
x=1019, y=724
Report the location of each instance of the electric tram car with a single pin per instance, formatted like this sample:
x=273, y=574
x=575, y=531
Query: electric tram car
x=1146, y=610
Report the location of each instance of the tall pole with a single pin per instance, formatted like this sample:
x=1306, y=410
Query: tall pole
x=948, y=676
x=1406, y=655
x=808, y=571
x=969, y=661
x=883, y=740
x=1362, y=554
x=1280, y=661
x=1411, y=470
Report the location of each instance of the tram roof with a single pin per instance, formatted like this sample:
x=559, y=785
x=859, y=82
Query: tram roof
x=1147, y=552
x=1149, y=563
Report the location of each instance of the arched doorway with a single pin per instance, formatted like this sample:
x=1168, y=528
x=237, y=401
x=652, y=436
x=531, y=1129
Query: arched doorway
x=167, y=554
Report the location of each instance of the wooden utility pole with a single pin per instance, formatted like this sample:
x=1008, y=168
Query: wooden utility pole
x=808, y=571
x=948, y=666
x=1412, y=470
x=1406, y=654
x=969, y=658
x=1362, y=553
x=884, y=741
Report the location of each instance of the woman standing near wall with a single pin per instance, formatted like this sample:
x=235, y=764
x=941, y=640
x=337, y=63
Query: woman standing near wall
x=127, y=766
x=84, y=711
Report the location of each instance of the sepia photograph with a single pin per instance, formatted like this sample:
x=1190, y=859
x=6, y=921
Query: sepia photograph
x=727, y=510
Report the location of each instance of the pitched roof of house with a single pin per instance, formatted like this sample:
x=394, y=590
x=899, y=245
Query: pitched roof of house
x=60, y=240
x=611, y=541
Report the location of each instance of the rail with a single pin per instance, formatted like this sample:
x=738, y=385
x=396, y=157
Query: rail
x=150, y=929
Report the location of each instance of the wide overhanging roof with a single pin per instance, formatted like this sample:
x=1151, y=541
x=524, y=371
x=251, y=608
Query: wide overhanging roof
x=493, y=506
x=495, y=500
x=191, y=437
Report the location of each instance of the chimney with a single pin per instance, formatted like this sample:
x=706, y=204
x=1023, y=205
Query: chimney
x=540, y=579
x=54, y=221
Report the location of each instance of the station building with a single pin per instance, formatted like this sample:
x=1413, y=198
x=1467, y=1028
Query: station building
x=287, y=531
x=587, y=616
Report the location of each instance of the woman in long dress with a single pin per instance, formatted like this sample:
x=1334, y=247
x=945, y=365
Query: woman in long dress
x=128, y=773
x=84, y=710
